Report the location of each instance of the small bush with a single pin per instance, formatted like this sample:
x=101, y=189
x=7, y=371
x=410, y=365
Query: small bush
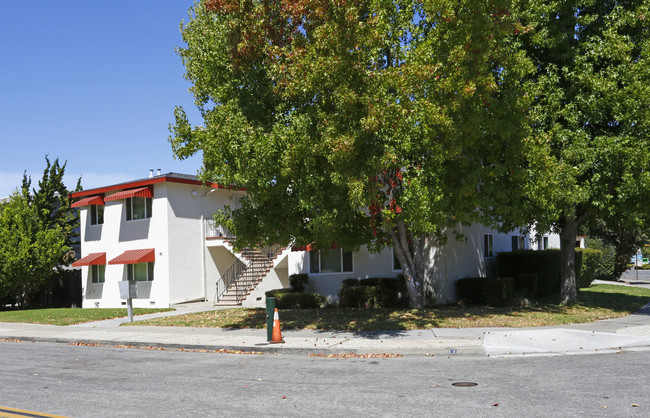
x=494, y=291
x=588, y=264
x=525, y=284
x=470, y=290
x=298, y=282
x=498, y=291
x=375, y=292
x=349, y=283
x=289, y=299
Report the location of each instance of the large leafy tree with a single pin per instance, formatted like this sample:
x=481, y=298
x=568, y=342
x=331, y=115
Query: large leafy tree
x=591, y=114
x=28, y=253
x=37, y=229
x=358, y=121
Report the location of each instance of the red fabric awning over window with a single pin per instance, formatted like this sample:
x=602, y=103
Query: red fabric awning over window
x=135, y=256
x=91, y=259
x=93, y=200
x=140, y=192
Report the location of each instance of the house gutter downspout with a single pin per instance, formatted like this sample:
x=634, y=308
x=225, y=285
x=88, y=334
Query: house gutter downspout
x=203, y=246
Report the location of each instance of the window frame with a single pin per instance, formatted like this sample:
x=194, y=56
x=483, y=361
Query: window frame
x=519, y=241
x=97, y=273
x=396, y=264
x=96, y=214
x=341, y=259
x=488, y=245
x=148, y=208
x=149, y=269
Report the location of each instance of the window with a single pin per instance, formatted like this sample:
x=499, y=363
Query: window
x=518, y=242
x=141, y=272
x=96, y=214
x=397, y=266
x=488, y=245
x=138, y=208
x=97, y=272
x=333, y=261
x=542, y=243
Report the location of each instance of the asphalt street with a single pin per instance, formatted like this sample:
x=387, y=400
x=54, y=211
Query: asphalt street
x=84, y=381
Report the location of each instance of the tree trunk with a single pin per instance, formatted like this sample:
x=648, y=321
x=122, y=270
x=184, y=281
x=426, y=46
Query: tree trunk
x=411, y=257
x=568, y=233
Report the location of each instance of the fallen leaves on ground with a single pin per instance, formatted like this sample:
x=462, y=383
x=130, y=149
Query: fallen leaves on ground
x=355, y=355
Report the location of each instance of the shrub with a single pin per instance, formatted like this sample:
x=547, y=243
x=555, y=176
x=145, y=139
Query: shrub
x=289, y=299
x=373, y=293
x=525, y=284
x=606, y=267
x=545, y=264
x=588, y=263
x=470, y=290
x=498, y=291
x=298, y=282
x=494, y=291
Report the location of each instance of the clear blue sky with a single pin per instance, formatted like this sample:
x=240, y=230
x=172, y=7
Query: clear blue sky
x=94, y=83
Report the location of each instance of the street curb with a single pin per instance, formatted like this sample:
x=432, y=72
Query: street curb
x=264, y=349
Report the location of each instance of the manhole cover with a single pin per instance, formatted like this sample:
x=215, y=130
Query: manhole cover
x=464, y=384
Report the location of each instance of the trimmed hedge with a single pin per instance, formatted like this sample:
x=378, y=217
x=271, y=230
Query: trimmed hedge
x=588, y=265
x=493, y=291
x=373, y=293
x=289, y=299
x=545, y=265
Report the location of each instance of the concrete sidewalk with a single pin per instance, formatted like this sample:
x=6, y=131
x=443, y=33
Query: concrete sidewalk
x=627, y=333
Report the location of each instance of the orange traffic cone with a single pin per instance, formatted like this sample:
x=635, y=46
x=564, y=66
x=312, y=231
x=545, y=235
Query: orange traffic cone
x=276, y=337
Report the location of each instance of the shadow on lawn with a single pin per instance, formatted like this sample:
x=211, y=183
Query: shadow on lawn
x=373, y=323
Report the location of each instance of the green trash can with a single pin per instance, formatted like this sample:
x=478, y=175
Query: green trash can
x=270, y=310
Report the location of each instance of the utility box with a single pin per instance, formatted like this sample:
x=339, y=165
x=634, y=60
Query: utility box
x=128, y=289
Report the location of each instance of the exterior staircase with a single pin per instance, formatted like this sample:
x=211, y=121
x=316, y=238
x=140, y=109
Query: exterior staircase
x=242, y=277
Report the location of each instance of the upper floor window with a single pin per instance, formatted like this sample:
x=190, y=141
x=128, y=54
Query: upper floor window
x=142, y=272
x=96, y=214
x=333, y=261
x=138, y=208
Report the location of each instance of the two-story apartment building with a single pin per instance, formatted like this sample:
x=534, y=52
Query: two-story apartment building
x=158, y=231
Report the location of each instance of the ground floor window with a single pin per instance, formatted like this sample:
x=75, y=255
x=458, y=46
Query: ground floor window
x=97, y=273
x=488, y=245
x=332, y=261
x=397, y=266
x=542, y=243
x=141, y=272
x=518, y=242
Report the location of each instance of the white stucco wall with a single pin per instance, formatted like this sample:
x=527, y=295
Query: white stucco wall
x=117, y=235
x=448, y=263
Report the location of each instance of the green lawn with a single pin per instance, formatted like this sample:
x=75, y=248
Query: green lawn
x=69, y=316
x=595, y=303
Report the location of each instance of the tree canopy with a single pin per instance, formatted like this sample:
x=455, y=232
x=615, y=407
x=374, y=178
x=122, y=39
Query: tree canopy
x=37, y=229
x=359, y=122
x=591, y=115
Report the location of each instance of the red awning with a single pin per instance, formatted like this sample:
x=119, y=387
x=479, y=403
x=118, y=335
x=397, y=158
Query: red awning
x=135, y=256
x=93, y=200
x=140, y=192
x=91, y=259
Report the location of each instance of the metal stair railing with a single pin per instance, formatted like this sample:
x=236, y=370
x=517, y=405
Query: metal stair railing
x=242, y=277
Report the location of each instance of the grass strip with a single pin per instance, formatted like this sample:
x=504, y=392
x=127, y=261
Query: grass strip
x=69, y=316
x=595, y=303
